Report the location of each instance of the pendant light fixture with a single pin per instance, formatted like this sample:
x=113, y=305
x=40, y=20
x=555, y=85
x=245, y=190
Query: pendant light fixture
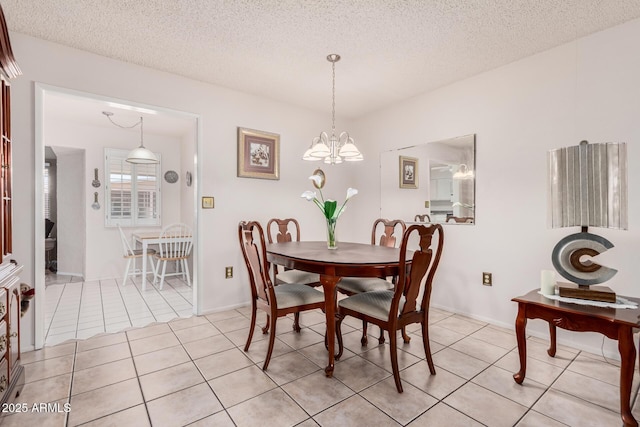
x=140, y=155
x=333, y=149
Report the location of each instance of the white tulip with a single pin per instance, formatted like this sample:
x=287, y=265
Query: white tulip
x=309, y=195
x=351, y=192
x=317, y=180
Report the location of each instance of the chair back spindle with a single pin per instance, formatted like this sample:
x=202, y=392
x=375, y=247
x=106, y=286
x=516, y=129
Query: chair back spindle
x=424, y=263
x=387, y=238
x=173, y=243
x=283, y=235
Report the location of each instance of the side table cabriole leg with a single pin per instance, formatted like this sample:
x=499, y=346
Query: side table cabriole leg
x=552, y=340
x=521, y=323
x=627, y=365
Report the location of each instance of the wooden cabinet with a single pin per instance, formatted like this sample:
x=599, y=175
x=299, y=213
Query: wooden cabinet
x=5, y=172
x=11, y=371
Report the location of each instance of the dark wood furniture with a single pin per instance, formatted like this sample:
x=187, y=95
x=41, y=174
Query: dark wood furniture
x=8, y=70
x=422, y=218
x=357, y=285
x=349, y=260
x=616, y=324
x=276, y=301
x=394, y=309
x=11, y=371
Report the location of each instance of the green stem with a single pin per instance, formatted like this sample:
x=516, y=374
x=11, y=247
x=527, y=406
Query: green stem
x=339, y=211
x=331, y=233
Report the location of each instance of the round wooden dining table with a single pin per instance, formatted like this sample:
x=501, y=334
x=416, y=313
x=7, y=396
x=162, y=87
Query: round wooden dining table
x=348, y=260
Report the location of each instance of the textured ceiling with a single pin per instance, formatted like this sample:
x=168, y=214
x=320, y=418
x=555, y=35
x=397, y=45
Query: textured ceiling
x=391, y=50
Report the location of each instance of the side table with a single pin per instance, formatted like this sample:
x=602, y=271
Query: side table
x=616, y=324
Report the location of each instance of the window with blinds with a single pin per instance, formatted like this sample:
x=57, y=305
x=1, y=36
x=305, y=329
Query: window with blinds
x=132, y=191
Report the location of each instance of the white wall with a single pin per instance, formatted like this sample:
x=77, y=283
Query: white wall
x=103, y=247
x=71, y=219
x=222, y=111
x=585, y=90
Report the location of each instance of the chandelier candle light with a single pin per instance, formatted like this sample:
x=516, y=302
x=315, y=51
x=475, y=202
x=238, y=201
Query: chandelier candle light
x=328, y=207
x=333, y=149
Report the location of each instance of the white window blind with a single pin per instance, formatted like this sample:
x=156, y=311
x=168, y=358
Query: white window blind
x=132, y=191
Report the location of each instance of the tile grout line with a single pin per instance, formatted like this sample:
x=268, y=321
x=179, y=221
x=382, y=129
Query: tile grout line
x=55, y=311
x=73, y=372
x=298, y=350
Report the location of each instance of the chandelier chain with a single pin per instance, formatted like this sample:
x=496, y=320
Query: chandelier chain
x=333, y=100
x=139, y=122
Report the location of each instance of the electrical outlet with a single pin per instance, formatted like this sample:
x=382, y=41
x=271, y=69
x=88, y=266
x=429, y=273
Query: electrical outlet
x=426, y=204
x=487, y=280
x=228, y=272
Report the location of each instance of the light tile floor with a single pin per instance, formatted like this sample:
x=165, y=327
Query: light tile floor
x=77, y=309
x=194, y=372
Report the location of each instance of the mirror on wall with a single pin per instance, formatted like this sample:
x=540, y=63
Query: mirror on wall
x=441, y=188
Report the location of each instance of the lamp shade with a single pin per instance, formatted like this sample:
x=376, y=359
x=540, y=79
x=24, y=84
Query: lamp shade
x=307, y=156
x=357, y=158
x=588, y=185
x=142, y=155
x=320, y=150
x=349, y=150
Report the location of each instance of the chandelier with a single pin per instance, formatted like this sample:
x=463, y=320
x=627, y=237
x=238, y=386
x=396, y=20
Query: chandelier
x=140, y=155
x=333, y=149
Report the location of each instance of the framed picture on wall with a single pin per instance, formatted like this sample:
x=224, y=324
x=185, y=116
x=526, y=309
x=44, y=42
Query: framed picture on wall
x=408, y=172
x=258, y=154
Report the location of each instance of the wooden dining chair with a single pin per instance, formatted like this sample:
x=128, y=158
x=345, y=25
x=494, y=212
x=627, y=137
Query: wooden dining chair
x=175, y=244
x=408, y=303
x=422, y=218
x=131, y=255
x=357, y=285
x=276, y=301
x=282, y=230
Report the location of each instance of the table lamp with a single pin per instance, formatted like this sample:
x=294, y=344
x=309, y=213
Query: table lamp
x=587, y=188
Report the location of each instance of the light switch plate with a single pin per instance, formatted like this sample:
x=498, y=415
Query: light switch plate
x=207, y=203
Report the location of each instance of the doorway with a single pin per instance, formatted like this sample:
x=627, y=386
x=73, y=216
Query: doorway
x=72, y=122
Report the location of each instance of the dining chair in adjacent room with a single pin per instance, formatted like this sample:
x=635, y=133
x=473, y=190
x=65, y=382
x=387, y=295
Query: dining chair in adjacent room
x=131, y=255
x=175, y=245
x=275, y=301
x=357, y=285
x=408, y=302
x=283, y=233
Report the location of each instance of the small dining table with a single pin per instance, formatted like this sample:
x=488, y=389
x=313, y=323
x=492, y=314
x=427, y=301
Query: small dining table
x=146, y=238
x=348, y=260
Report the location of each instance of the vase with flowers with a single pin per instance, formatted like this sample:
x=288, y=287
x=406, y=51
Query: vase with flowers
x=328, y=207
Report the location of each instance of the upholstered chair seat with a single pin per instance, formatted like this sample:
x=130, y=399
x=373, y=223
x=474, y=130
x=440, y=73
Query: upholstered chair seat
x=356, y=285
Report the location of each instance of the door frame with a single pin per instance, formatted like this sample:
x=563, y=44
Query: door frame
x=41, y=90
